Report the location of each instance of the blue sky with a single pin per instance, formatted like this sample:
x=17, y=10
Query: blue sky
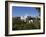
x=22, y=11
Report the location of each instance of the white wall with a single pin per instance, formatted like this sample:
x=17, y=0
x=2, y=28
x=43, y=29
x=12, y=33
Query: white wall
x=2, y=17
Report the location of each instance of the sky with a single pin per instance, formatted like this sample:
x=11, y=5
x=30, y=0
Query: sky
x=24, y=11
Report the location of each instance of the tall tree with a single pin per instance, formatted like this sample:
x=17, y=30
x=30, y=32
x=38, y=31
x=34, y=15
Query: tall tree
x=38, y=9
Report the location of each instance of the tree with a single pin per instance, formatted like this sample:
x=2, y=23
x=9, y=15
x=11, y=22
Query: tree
x=38, y=9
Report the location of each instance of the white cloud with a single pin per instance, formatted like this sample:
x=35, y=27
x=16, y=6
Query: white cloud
x=26, y=15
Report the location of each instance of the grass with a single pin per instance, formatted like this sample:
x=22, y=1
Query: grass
x=21, y=25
